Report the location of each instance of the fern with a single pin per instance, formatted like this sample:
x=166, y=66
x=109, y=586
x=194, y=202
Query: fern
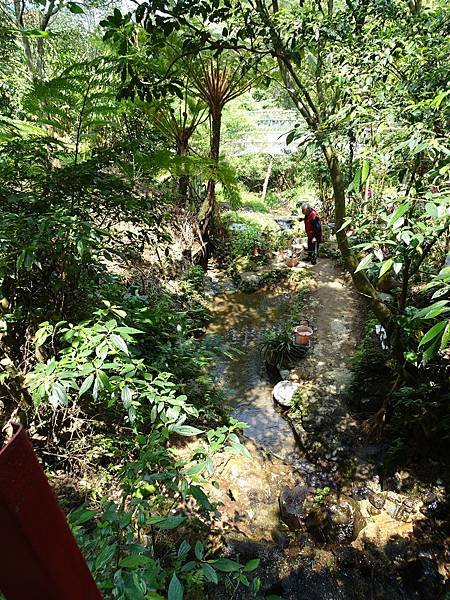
x=77, y=105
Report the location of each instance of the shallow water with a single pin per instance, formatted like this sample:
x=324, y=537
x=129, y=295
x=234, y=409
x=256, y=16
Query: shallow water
x=241, y=319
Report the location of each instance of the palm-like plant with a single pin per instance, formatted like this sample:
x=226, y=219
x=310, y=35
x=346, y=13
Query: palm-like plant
x=278, y=348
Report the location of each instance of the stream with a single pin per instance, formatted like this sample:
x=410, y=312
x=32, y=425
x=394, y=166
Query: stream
x=391, y=560
x=242, y=319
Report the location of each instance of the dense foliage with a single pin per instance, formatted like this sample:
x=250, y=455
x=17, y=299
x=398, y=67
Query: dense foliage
x=113, y=178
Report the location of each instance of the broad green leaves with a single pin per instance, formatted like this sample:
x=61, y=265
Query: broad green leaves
x=175, y=591
x=395, y=220
x=365, y=263
x=433, y=333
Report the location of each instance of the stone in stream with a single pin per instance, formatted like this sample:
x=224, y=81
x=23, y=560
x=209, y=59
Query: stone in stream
x=339, y=521
x=377, y=500
x=293, y=505
x=284, y=391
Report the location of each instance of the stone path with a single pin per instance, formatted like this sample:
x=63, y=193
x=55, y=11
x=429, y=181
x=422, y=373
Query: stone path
x=322, y=423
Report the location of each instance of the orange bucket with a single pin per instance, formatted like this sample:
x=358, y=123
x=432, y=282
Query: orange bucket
x=302, y=334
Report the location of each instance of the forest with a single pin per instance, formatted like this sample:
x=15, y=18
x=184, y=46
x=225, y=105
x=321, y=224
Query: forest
x=156, y=161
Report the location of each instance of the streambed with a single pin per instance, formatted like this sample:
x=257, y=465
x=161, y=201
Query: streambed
x=293, y=565
x=241, y=320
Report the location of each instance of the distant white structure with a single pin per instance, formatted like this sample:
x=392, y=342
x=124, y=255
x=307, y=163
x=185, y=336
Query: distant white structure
x=267, y=134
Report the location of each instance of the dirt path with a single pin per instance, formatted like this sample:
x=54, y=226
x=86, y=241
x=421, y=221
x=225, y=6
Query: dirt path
x=334, y=309
x=321, y=420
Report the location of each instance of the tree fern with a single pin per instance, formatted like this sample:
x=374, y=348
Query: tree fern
x=78, y=105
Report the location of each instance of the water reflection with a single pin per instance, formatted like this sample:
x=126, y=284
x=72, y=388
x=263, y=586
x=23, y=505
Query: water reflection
x=242, y=320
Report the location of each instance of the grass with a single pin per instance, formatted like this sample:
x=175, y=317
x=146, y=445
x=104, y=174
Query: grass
x=263, y=220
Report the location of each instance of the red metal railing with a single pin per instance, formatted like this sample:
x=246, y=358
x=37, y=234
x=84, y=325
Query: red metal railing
x=39, y=558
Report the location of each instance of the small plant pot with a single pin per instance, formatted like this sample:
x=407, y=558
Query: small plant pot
x=292, y=262
x=302, y=334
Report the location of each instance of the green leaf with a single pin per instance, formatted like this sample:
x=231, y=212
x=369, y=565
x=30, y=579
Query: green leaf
x=81, y=515
x=175, y=591
x=166, y=522
x=199, y=550
x=385, y=267
x=195, y=470
x=435, y=312
x=200, y=497
x=75, y=8
x=103, y=377
x=365, y=171
x=433, y=332
x=185, y=430
x=226, y=565
x=344, y=225
x=183, y=549
x=58, y=396
x=209, y=573
x=290, y=137
x=397, y=267
x=430, y=352
x=445, y=341
x=134, y=560
x=356, y=183
x=119, y=343
x=401, y=210
x=420, y=314
x=86, y=385
x=364, y=263
x=126, y=396
x=105, y=556
x=252, y=565
x=432, y=210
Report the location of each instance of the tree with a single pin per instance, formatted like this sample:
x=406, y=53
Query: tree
x=218, y=81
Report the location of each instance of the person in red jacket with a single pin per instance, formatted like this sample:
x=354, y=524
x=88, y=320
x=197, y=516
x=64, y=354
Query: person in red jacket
x=313, y=229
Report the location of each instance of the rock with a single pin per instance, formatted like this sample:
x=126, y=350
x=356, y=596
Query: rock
x=292, y=262
x=386, y=297
x=238, y=226
x=360, y=493
x=377, y=500
x=284, y=391
x=422, y=579
x=338, y=522
x=373, y=511
x=429, y=498
x=408, y=505
x=250, y=281
x=293, y=505
x=435, y=508
x=280, y=538
x=401, y=514
x=284, y=373
x=393, y=497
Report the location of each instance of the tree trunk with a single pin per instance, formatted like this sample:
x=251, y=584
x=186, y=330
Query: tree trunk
x=266, y=180
x=359, y=278
x=183, y=181
x=207, y=209
x=19, y=12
